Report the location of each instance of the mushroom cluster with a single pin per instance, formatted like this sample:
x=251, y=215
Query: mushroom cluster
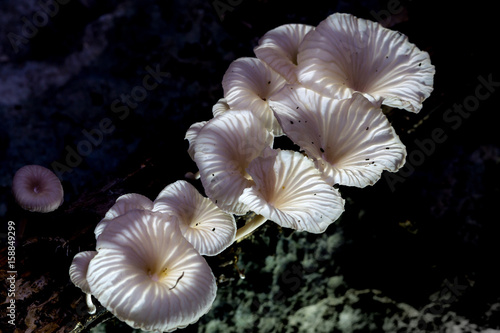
x=323, y=87
x=146, y=273
x=148, y=267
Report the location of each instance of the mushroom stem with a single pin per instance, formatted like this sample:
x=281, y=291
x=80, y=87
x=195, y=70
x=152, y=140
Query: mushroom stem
x=249, y=227
x=90, y=305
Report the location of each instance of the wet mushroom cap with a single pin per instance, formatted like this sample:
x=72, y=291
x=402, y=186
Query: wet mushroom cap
x=37, y=189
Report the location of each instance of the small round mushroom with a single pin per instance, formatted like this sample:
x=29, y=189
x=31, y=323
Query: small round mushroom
x=148, y=275
x=345, y=54
x=202, y=223
x=37, y=189
x=248, y=84
x=279, y=48
x=290, y=191
x=78, y=275
x=350, y=140
x=224, y=148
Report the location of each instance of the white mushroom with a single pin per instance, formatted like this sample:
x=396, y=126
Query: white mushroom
x=148, y=275
x=123, y=204
x=248, y=84
x=78, y=275
x=290, y=191
x=224, y=148
x=279, y=48
x=202, y=223
x=350, y=140
x=191, y=135
x=220, y=107
x=37, y=189
x=345, y=54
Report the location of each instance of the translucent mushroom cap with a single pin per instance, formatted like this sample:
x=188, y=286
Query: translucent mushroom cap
x=345, y=54
x=148, y=275
x=191, y=135
x=220, y=107
x=350, y=140
x=78, y=275
x=290, y=191
x=123, y=204
x=248, y=84
x=37, y=189
x=224, y=148
x=279, y=48
x=78, y=269
x=202, y=223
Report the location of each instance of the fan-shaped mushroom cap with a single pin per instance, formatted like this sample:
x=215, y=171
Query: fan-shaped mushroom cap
x=203, y=224
x=248, y=84
x=220, y=107
x=78, y=274
x=78, y=269
x=350, y=140
x=345, y=54
x=123, y=204
x=148, y=275
x=224, y=148
x=37, y=189
x=279, y=48
x=290, y=191
x=191, y=135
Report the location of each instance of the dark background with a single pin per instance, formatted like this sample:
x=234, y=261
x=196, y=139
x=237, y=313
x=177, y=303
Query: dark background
x=435, y=222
